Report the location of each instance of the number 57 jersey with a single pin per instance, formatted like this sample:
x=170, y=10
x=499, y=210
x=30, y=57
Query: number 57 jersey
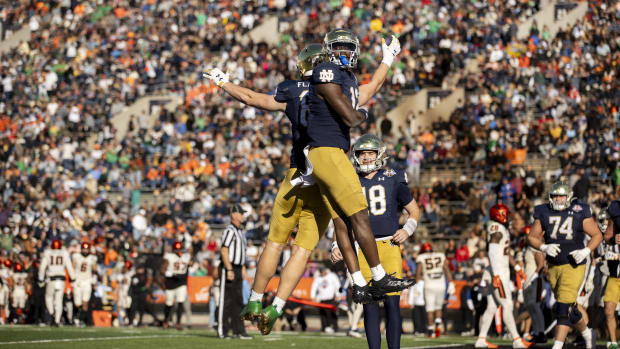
x=564, y=228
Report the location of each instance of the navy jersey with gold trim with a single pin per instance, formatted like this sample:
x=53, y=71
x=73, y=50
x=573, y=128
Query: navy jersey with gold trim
x=614, y=214
x=292, y=93
x=564, y=228
x=387, y=193
x=325, y=126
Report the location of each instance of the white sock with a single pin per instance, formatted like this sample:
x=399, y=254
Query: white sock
x=557, y=345
x=430, y=328
x=256, y=297
x=358, y=279
x=377, y=272
x=587, y=334
x=278, y=303
x=438, y=321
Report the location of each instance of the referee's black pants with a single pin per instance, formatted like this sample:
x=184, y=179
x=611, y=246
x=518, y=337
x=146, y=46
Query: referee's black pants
x=231, y=303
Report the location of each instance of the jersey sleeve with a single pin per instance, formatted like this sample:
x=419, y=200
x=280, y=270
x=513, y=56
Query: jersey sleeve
x=539, y=212
x=614, y=209
x=587, y=211
x=283, y=92
x=326, y=73
x=227, y=238
x=403, y=193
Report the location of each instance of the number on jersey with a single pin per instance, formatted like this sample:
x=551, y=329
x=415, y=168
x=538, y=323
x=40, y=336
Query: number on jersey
x=376, y=199
x=56, y=260
x=563, y=227
x=431, y=263
x=355, y=95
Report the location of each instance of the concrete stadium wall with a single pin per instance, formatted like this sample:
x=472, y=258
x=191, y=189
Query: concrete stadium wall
x=546, y=16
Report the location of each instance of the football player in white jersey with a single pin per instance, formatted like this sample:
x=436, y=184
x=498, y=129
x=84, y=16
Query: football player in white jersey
x=122, y=287
x=20, y=295
x=5, y=276
x=533, y=264
x=433, y=268
x=498, y=276
x=175, y=268
x=54, y=262
x=85, y=265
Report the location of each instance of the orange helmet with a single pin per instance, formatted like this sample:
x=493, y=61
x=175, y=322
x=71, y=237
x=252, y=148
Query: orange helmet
x=18, y=267
x=85, y=245
x=56, y=244
x=527, y=230
x=426, y=247
x=177, y=246
x=8, y=263
x=128, y=264
x=499, y=213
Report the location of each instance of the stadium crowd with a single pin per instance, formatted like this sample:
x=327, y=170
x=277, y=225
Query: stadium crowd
x=68, y=176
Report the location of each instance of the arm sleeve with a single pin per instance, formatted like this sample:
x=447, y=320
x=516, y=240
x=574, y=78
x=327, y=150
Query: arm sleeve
x=538, y=213
x=327, y=73
x=227, y=238
x=282, y=93
x=402, y=189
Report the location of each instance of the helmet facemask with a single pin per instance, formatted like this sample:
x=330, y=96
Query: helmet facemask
x=364, y=165
x=560, y=196
x=343, y=49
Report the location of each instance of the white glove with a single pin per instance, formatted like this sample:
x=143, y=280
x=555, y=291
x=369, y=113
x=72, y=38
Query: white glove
x=390, y=51
x=168, y=274
x=217, y=76
x=550, y=250
x=580, y=255
x=451, y=289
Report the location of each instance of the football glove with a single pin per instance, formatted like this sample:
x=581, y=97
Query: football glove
x=390, y=51
x=550, y=250
x=168, y=274
x=217, y=76
x=580, y=255
x=451, y=289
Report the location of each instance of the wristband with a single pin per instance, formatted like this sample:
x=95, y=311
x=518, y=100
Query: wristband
x=363, y=110
x=410, y=226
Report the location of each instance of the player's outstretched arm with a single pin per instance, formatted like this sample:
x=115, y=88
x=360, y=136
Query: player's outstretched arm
x=378, y=78
x=333, y=95
x=242, y=94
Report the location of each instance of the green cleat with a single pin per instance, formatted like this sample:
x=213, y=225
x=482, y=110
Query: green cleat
x=251, y=311
x=267, y=319
x=612, y=346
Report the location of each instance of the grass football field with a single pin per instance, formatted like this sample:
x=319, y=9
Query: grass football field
x=152, y=338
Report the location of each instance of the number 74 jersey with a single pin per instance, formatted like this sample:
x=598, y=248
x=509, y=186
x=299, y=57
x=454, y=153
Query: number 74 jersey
x=564, y=228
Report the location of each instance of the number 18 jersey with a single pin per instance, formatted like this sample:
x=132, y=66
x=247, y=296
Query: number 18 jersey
x=564, y=228
x=432, y=266
x=386, y=192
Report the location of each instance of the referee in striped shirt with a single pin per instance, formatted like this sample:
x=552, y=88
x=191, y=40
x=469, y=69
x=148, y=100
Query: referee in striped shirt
x=231, y=270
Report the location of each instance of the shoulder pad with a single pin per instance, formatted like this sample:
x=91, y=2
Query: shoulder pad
x=283, y=91
x=326, y=72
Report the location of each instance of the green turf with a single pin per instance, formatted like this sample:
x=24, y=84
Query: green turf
x=109, y=338
x=152, y=338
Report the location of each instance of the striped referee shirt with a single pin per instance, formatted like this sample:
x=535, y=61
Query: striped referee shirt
x=234, y=239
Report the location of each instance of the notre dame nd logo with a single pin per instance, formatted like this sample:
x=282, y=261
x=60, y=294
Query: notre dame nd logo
x=326, y=75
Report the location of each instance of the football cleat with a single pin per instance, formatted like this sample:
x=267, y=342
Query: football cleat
x=389, y=284
x=612, y=345
x=361, y=294
x=267, y=319
x=251, y=311
x=483, y=343
x=521, y=343
x=539, y=338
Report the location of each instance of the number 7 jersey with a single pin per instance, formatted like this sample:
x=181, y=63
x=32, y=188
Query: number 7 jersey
x=564, y=228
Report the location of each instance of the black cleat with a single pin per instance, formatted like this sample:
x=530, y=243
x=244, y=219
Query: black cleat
x=540, y=338
x=389, y=284
x=361, y=294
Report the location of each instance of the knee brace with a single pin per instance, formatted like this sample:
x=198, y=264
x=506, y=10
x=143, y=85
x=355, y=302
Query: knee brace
x=562, y=310
x=575, y=315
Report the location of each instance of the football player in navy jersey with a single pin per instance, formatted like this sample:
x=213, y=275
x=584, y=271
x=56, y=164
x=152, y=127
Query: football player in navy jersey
x=334, y=106
x=387, y=193
x=612, y=259
x=309, y=211
x=559, y=231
